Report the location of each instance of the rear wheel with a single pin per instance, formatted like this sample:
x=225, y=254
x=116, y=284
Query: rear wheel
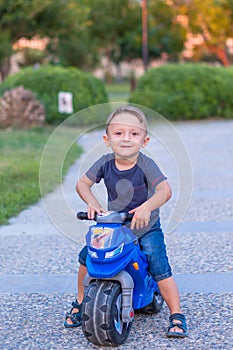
x=101, y=314
x=157, y=302
x=155, y=306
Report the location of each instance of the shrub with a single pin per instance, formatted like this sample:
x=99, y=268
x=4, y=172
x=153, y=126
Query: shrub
x=187, y=91
x=47, y=81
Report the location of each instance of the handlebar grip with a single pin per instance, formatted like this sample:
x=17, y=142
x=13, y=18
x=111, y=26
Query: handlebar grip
x=129, y=217
x=82, y=215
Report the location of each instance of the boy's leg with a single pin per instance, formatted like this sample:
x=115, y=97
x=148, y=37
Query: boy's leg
x=170, y=294
x=73, y=318
x=169, y=291
x=81, y=274
x=152, y=243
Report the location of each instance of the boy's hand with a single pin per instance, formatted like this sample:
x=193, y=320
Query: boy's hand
x=92, y=210
x=141, y=216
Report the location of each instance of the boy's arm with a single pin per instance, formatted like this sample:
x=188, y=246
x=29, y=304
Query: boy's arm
x=83, y=187
x=162, y=195
x=142, y=213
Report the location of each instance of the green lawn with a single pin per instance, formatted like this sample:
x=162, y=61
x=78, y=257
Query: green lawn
x=118, y=92
x=20, y=160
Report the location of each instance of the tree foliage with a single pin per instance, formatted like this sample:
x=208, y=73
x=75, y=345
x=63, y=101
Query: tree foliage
x=26, y=18
x=166, y=35
x=80, y=31
x=212, y=20
x=120, y=35
x=116, y=26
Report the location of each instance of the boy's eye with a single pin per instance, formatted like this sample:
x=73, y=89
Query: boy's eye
x=118, y=133
x=135, y=133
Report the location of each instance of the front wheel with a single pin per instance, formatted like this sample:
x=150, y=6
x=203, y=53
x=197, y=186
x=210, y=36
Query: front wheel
x=101, y=314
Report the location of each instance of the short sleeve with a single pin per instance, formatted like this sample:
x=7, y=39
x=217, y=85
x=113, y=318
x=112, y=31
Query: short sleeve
x=153, y=174
x=96, y=172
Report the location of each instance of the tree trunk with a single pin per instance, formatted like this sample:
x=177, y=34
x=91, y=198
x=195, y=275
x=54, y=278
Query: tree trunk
x=221, y=54
x=5, y=68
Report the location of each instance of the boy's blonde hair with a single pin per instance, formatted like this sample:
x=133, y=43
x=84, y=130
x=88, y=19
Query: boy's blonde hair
x=131, y=110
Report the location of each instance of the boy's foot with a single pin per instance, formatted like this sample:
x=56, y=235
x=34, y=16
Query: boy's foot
x=73, y=318
x=177, y=327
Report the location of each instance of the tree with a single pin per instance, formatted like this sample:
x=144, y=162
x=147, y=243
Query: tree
x=80, y=31
x=20, y=18
x=166, y=34
x=5, y=53
x=114, y=29
x=212, y=21
x=119, y=33
x=116, y=26
x=76, y=46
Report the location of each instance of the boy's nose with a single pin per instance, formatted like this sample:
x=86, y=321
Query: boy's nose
x=126, y=136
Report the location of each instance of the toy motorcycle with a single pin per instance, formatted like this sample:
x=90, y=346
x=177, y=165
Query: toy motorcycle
x=117, y=282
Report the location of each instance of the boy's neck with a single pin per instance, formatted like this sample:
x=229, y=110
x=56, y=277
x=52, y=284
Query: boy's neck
x=125, y=163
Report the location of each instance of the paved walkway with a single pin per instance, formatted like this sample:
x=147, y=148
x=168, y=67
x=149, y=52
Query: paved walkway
x=39, y=263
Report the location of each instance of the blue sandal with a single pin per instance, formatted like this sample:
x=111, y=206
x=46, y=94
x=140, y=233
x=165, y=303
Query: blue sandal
x=177, y=320
x=75, y=317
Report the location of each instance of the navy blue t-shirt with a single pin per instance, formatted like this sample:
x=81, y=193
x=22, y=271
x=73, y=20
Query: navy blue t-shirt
x=127, y=189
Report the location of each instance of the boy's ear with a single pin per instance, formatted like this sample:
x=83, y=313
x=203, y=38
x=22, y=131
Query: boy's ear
x=106, y=140
x=146, y=140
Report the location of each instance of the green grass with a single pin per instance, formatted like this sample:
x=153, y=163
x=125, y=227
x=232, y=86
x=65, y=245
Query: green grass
x=118, y=92
x=20, y=160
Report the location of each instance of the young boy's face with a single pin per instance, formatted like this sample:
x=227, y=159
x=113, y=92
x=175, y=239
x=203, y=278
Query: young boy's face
x=126, y=135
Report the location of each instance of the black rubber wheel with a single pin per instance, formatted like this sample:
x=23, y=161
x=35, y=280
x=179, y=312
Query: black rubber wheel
x=101, y=314
x=155, y=306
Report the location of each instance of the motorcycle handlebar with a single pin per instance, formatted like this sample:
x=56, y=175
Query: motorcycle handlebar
x=82, y=215
x=113, y=217
x=129, y=217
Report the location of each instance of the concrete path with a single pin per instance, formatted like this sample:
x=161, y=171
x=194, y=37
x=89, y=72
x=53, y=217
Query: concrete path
x=39, y=260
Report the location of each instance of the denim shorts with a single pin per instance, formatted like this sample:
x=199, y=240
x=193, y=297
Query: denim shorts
x=83, y=256
x=153, y=245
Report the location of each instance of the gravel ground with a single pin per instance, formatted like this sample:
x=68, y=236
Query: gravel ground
x=32, y=245
x=216, y=256
x=35, y=321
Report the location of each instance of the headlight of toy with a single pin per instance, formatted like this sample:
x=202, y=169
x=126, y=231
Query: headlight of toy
x=92, y=254
x=114, y=252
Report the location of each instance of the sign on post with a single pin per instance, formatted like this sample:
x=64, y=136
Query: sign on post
x=65, y=102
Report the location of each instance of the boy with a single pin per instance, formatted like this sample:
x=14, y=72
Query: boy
x=136, y=185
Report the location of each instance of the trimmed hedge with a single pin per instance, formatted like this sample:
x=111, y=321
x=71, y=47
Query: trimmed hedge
x=47, y=81
x=187, y=91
